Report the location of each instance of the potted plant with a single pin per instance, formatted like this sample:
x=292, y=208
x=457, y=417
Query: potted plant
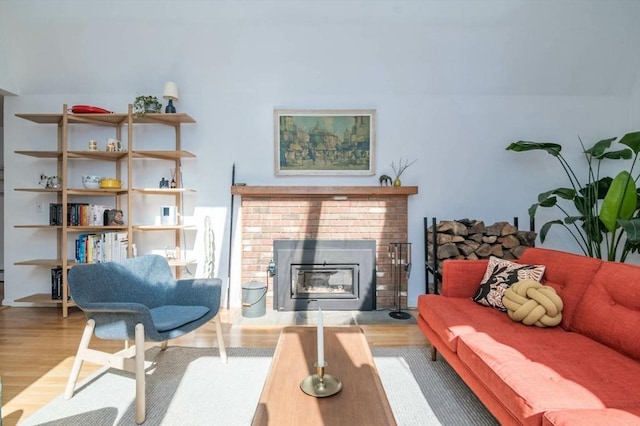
x=146, y=104
x=602, y=214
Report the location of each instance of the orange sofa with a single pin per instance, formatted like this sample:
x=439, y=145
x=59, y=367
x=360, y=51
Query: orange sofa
x=586, y=371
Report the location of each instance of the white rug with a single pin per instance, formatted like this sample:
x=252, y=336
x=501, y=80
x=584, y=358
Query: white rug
x=190, y=386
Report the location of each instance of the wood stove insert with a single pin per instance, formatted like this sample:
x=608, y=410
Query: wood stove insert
x=339, y=274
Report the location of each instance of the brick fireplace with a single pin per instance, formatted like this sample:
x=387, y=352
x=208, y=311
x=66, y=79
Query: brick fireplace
x=271, y=213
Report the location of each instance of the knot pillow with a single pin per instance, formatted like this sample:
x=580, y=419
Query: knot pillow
x=532, y=303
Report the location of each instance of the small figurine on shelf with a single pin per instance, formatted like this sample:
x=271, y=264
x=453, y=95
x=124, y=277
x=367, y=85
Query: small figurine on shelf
x=173, y=183
x=164, y=183
x=113, y=217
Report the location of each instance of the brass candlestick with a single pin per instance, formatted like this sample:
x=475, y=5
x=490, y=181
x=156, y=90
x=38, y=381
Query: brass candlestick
x=321, y=385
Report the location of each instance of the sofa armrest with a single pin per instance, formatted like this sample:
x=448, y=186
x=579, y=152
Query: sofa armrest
x=461, y=278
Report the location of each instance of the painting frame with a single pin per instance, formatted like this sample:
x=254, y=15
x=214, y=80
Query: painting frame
x=324, y=142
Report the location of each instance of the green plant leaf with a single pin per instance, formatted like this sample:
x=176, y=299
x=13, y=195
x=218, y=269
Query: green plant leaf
x=545, y=229
x=549, y=202
x=623, y=154
x=596, y=190
x=620, y=201
x=632, y=140
x=522, y=146
x=570, y=220
x=631, y=229
x=566, y=193
x=600, y=147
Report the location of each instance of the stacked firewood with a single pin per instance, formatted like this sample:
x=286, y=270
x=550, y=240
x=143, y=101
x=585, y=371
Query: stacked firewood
x=472, y=239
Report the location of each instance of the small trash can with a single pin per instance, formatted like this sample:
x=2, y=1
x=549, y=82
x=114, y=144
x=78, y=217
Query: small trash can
x=254, y=300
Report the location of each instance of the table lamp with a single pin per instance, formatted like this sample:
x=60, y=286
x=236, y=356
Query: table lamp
x=170, y=93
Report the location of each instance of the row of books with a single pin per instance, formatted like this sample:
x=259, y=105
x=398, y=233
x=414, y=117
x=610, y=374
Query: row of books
x=78, y=214
x=104, y=247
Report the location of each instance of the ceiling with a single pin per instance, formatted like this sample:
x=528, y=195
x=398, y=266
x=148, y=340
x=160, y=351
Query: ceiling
x=457, y=47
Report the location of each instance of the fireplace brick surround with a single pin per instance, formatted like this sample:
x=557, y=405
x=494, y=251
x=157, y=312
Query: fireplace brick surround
x=271, y=213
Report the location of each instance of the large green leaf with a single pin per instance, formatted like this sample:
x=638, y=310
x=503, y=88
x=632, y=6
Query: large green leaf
x=624, y=154
x=566, y=193
x=545, y=229
x=620, y=201
x=548, y=202
x=522, y=146
x=632, y=140
x=600, y=147
x=631, y=229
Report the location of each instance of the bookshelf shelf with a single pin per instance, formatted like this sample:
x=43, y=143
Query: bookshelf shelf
x=45, y=298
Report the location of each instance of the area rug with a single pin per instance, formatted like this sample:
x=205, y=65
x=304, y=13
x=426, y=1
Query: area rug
x=271, y=318
x=190, y=386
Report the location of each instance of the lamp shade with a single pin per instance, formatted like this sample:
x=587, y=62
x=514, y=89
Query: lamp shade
x=170, y=91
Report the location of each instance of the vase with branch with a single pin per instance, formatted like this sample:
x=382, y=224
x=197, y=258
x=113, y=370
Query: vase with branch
x=399, y=169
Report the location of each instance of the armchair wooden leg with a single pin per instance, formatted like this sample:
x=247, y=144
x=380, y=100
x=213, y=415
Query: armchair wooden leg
x=140, y=375
x=163, y=345
x=221, y=347
x=77, y=363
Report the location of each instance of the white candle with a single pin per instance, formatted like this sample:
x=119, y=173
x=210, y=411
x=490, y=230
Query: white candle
x=320, y=338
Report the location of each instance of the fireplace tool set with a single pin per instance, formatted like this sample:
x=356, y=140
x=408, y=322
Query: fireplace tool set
x=400, y=271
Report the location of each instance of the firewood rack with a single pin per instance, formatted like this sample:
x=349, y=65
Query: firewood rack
x=431, y=270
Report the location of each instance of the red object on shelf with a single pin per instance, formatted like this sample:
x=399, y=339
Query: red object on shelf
x=88, y=109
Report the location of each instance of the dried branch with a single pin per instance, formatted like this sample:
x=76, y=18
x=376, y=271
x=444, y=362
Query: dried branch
x=401, y=167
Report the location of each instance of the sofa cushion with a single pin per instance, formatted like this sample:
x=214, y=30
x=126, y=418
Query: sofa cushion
x=609, y=311
x=536, y=370
x=499, y=276
x=451, y=317
x=568, y=273
x=586, y=417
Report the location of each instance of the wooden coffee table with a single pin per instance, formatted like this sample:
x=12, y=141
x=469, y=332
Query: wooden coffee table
x=362, y=400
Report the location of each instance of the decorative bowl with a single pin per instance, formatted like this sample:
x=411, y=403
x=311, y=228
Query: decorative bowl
x=91, y=182
x=110, y=183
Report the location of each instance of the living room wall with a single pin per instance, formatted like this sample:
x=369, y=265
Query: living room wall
x=453, y=84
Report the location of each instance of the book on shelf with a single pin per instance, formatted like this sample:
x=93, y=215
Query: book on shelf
x=78, y=214
x=56, y=283
x=101, y=247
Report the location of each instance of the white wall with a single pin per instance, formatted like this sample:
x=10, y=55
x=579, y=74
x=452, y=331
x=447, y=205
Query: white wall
x=634, y=104
x=452, y=86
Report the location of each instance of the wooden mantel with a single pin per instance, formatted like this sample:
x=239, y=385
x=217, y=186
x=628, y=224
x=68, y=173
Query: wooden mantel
x=322, y=191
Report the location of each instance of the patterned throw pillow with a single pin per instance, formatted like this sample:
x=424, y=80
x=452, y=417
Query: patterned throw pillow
x=499, y=276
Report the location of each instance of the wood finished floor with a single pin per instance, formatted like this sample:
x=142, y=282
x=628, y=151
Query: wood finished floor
x=37, y=347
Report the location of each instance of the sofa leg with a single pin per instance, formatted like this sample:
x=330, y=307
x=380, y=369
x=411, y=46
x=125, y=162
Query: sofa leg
x=434, y=353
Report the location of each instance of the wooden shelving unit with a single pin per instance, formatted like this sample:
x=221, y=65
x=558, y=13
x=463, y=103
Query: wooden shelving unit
x=65, y=158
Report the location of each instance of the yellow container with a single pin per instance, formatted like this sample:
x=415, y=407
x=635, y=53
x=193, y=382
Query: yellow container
x=111, y=184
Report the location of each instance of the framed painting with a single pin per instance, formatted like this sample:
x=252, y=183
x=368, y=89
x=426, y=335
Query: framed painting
x=324, y=142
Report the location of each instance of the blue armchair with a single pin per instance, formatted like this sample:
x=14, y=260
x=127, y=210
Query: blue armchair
x=138, y=299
